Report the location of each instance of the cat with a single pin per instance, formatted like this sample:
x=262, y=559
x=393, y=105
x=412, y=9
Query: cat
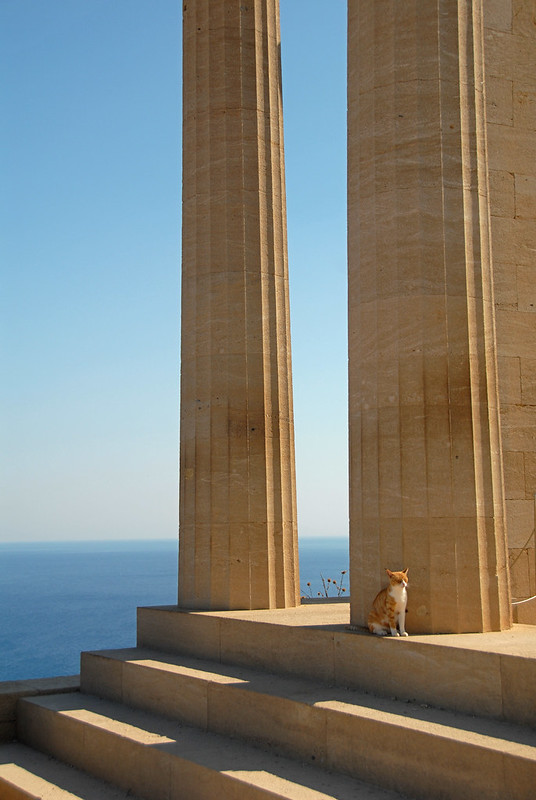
x=389, y=606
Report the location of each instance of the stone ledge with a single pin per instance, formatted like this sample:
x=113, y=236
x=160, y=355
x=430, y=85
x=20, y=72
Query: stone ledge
x=11, y=691
x=489, y=674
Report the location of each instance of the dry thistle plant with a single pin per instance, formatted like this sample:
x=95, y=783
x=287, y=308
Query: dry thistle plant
x=330, y=587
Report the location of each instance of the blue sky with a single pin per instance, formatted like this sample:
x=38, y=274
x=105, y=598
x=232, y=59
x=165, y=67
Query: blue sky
x=90, y=143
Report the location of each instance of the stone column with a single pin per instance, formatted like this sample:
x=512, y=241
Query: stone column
x=426, y=485
x=510, y=58
x=238, y=532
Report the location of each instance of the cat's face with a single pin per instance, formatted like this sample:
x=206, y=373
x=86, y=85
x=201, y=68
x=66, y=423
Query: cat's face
x=398, y=578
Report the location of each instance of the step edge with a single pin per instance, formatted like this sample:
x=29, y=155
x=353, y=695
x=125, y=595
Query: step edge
x=257, y=777
x=12, y=691
x=28, y=760
x=215, y=742
x=490, y=728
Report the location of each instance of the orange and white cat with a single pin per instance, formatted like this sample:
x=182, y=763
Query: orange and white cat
x=389, y=606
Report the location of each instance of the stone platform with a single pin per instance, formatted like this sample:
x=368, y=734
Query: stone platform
x=287, y=704
x=485, y=673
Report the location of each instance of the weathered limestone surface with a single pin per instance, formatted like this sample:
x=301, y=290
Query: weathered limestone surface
x=426, y=481
x=510, y=64
x=12, y=691
x=238, y=534
x=491, y=674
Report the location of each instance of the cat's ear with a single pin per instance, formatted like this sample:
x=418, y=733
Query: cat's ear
x=405, y=571
x=388, y=571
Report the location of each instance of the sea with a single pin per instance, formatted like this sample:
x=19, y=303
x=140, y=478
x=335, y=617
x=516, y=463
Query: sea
x=60, y=598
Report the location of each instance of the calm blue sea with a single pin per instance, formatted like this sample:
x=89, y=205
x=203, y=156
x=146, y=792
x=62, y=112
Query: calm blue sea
x=57, y=599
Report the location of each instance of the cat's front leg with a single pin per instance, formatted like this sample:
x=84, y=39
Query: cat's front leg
x=391, y=621
x=401, y=623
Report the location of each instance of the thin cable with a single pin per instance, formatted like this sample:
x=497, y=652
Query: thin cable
x=526, y=600
x=522, y=549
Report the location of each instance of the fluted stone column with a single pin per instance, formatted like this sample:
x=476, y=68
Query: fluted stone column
x=426, y=486
x=510, y=58
x=238, y=533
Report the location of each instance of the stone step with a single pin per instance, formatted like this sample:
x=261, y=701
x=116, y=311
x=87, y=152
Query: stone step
x=490, y=675
x=160, y=759
x=12, y=691
x=394, y=744
x=26, y=774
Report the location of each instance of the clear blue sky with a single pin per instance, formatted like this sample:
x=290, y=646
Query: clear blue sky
x=90, y=143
